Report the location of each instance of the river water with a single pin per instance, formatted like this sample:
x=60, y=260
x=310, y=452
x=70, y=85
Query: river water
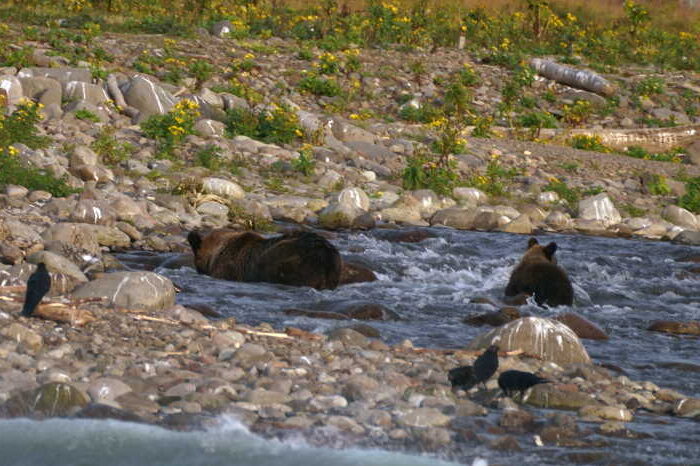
x=622, y=285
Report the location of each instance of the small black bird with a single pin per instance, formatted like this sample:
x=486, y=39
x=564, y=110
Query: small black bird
x=38, y=285
x=462, y=377
x=518, y=381
x=486, y=365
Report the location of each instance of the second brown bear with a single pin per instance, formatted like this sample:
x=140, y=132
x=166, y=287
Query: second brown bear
x=538, y=274
x=296, y=259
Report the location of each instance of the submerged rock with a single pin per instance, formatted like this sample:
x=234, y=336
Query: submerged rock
x=678, y=328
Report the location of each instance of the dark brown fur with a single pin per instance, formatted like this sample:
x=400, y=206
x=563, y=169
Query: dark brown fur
x=296, y=259
x=538, y=274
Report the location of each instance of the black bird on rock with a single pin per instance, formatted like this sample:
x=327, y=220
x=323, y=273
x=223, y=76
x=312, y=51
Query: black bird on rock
x=38, y=284
x=486, y=365
x=518, y=381
x=462, y=377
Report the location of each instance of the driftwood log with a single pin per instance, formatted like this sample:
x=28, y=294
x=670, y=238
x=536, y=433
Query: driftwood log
x=580, y=79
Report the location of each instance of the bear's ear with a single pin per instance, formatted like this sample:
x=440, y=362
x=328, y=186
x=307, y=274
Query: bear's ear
x=195, y=240
x=532, y=242
x=549, y=250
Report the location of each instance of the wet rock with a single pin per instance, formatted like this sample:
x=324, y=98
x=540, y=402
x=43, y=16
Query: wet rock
x=352, y=272
x=103, y=411
x=520, y=225
x=608, y=413
x=469, y=408
x=423, y=417
x=349, y=337
x=582, y=327
x=517, y=420
x=338, y=216
x=131, y=290
x=404, y=235
x=260, y=396
x=506, y=443
x=405, y=210
x=494, y=319
x=360, y=387
x=364, y=311
x=678, y=328
x=315, y=314
x=51, y=399
x=559, y=220
x=548, y=396
x=543, y=338
x=345, y=424
x=687, y=407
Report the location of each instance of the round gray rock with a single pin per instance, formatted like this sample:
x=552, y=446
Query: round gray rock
x=133, y=290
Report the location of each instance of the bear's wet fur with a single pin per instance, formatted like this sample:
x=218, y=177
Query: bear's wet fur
x=296, y=259
x=538, y=274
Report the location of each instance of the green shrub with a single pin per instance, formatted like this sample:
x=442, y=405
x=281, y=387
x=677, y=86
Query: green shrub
x=278, y=125
x=86, y=115
x=691, y=199
x=592, y=143
x=110, y=150
x=12, y=171
x=428, y=171
x=305, y=163
x=495, y=180
x=651, y=85
x=673, y=155
x=316, y=85
x=658, y=185
x=210, y=157
x=171, y=129
x=20, y=126
x=571, y=196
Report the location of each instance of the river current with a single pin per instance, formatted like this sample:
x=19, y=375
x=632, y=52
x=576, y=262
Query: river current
x=622, y=285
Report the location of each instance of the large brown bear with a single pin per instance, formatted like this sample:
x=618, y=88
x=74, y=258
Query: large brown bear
x=297, y=259
x=538, y=274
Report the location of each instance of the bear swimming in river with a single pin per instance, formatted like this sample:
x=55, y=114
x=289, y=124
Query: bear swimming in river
x=538, y=274
x=296, y=259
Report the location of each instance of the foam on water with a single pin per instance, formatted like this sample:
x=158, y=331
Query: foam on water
x=114, y=443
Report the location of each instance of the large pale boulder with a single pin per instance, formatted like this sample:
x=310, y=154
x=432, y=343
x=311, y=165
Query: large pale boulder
x=680, y=216
x=13, y=89
x=543, y=338
x=132, y=290
x=224, y=188
x=599, y=208
x=144, y=94
x=455, y=217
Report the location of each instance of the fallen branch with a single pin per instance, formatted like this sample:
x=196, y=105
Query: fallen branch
x=60, y=312
x=580, y=79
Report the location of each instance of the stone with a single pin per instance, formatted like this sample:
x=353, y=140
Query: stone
x=691, y=238
x=351, y=272
x=687, y=407
x=548, y=198
x=251, y=353
x=49, y=400
x=360, y=387
x=681, y=217
x=423, y=417
x=544, y=338
x=455, y=217
x=349, y=337
x=58, y=264
x=520, y=225
x=214, y=209
x=583, y=327
x=91, y=93
x=494, y=319
x=608, y=413
x=21, y=334
x=107, y=389
x=131, y=290
x=338, y=216
x=208, y=128
x=83, y=155
x=46, y=91
x=63, y=74
x=75, y=235
x=549, y=397
x=559, y=220
x=353, y=198
x=224, y=188
x=599, y=208
x=677, y=328
x=148, y=97
x=471, y=196
x=13, y=89
x=221, y=28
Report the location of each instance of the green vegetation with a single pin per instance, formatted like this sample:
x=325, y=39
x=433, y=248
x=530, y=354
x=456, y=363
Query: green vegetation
x=317, y=85
x=305, y=163
x=495, y=180
x=569, y=195
x=86, y=115
x=425, y=170
x=110, y=150
x=691, y=199
x=592, y=143
x=278, y=124
x=658, y=185
x=650, y=86
x=171, y=129
x=210, y=157
x=673, y=155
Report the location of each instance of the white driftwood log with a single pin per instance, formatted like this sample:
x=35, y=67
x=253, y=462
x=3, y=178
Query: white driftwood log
x=580, y=79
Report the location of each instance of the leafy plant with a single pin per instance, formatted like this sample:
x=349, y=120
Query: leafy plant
x=495, y=180
x=691, y=199
x=12, y=171
x=429, y=171
x=571, y=196
x=316, y=85
x=650, y=85
x=592, y=143
x=21, y=127
x=210, y=157
x=171, y=129
x=658, y=185
x=305, y=163
x=86, y=115
x=110, y=150
x=278, y=124
x=578, y=113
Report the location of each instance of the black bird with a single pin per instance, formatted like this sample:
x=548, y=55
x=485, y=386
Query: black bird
x=486, y=365
x=462, y=377
x=518, y=381
x=38, y=285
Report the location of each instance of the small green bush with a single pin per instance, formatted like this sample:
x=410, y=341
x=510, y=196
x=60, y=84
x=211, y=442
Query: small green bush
x=592, y=143
x=316, y=85
x=171, y=129
x=427, y=171
x=86, y=115
x=210, y=157
x=571, y=196
x=691, y=199
x=111, y=151
x=305, y=163
x=12, y=171
x=278, y=125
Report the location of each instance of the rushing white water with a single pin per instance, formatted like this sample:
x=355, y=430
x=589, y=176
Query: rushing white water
x=621, y=285
x=62, y=442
